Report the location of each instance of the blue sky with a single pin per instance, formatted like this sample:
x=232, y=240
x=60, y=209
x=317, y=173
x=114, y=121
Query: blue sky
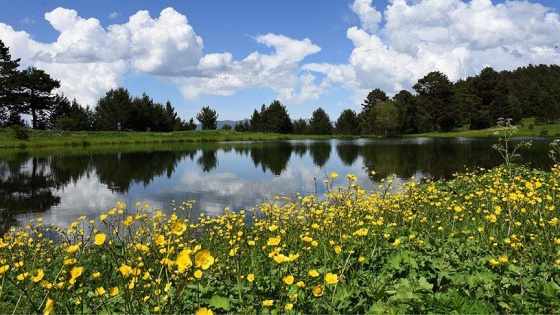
x=236, y=55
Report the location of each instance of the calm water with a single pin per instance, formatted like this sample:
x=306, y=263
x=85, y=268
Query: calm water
x=59, y=186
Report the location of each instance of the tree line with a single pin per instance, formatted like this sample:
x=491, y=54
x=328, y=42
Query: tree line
x=438, y=105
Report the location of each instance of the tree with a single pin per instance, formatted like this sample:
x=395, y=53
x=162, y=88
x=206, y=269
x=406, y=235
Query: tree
x=113, y=111
x=320, y=123
x=386, y=118
x=347, y=123
x=367, y=115
x=437, y=111
x=300, y=127
x=36, y=87
x=407, y=112
x=273, y=118
x=208, y=118
x=8, y=83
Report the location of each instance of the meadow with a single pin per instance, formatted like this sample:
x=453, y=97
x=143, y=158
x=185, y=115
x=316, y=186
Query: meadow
x=486, y=241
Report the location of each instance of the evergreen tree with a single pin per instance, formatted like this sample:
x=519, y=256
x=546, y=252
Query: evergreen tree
x=113, y=111
x=407, y=112
x=207, y=118
x=9, y=75
x=437, y=111
x=300, y=127
x=320, y=123
x=347, y=123
x=36, y=98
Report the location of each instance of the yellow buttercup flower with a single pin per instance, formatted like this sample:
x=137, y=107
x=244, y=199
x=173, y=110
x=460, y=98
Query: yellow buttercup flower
x=204, y=311
x=75, y=273
x=99, y=291
x=198, y=274
x=331, y=278
x=250, y=277
x=288, y=279
x=125, y=270
x=184, y=260
x=318, y=290
x=49, y=307
x=267, y=302
x=38, y=276
x=503, y=259
x=204, y=259
x=178, y=227
x=3, y=269
x=313, y=273
x=493, y=262
x=99, y=239
x=273, y=241
x=72, y=249
x=114, y=291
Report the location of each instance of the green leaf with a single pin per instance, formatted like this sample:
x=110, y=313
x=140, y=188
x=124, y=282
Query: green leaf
x=220, y=302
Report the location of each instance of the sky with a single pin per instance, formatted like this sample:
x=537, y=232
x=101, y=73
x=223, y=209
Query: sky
x=234, y=56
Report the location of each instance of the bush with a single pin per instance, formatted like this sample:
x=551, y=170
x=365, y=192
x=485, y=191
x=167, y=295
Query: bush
x=20, y=132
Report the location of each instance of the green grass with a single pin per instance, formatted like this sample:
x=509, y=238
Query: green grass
x=42, y=138
x=527, y=128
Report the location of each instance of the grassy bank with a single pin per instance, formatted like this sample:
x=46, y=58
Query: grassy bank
x=485, y=242
x=527, y=128
x=41, y=138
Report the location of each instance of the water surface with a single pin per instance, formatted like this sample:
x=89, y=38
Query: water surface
x=60, y=186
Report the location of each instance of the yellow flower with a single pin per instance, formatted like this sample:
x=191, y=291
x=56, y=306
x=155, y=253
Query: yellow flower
x=22, y=276
x=273, y=241
x=49, y=307
x=204, y=311
x=100, y=291
x=100, y=239
x=204, y=259
x=267, y=302
x=331, y=278
x=493, y=262
x=288, y=279
x=333, y=175
x=102, y=217
x=397, y=242
x=300, y=284
x=337, y=249
x=39, y=276
x=157, y=309
x=198, y=274
x=289, y=306
x=178, y=227
x=114, y=291
x=313, y=273
x=184, y=260
x=318, y=290
x=3, y=269
x=125, y=270
x=503, y=259
x=70, y=261
x=75, y=273
x=72, y=249
x=96, y=275
x=361, y=259
x=128, y=221
x=250, y=277
x=159, y=240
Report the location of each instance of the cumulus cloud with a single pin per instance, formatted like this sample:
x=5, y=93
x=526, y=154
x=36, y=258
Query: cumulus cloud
x=90, y=59
x=458, y=38
x=393, y=47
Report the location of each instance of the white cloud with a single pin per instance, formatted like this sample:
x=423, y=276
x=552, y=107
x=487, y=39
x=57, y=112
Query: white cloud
x=114, y=15
x=455, y=37
x=392, y=48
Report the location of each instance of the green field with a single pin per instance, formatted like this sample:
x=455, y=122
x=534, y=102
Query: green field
x=41, y=138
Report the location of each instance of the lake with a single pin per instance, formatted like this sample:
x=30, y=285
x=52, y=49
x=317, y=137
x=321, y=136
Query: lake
x=62, y=184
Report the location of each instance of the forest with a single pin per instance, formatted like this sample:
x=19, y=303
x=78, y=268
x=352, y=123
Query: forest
x=436, y=104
